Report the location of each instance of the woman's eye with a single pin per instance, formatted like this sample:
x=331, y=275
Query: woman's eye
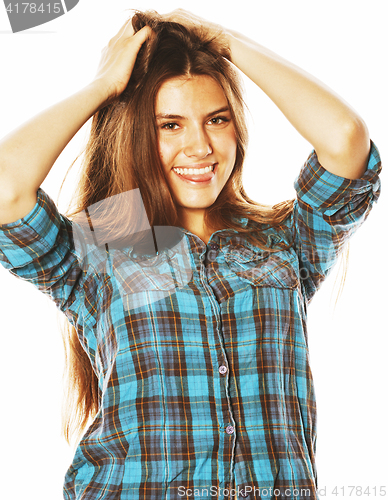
x=218, y=120
x=169, y=126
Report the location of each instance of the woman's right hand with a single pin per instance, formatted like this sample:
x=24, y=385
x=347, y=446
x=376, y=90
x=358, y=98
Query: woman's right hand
x=118, y=59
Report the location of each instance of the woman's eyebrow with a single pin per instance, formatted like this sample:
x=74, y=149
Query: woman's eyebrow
x=180, y=117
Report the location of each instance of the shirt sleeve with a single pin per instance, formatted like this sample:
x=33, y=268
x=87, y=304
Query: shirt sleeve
x=327, y=211
x=39, y=248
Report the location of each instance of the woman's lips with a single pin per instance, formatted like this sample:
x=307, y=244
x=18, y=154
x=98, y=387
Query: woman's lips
x=197, y=178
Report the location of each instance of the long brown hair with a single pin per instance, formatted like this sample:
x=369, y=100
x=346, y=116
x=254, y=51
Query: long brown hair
x=122, y=154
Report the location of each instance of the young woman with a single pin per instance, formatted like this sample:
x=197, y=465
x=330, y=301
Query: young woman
x=187, y=299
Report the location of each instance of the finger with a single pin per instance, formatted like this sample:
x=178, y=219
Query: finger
x=143, y=34
x=123, y=28
x=128, y=29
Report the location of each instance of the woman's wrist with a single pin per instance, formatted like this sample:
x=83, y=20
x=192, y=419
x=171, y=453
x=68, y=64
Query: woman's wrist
x=233, y=38
x=100, y=91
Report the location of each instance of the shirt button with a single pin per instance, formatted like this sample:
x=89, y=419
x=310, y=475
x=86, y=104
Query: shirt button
x=230, y=429
x=214, y=246
x=243, y=494
x=222, y=369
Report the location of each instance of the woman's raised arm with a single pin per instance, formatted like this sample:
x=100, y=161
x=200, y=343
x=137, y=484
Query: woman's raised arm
x=28, y=153
x=337, y=133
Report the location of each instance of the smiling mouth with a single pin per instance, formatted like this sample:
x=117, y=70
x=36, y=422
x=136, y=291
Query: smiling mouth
x=203, y=174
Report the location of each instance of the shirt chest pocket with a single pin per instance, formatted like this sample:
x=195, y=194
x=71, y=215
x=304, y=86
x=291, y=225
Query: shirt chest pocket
x=141, y=282
x=262, y=268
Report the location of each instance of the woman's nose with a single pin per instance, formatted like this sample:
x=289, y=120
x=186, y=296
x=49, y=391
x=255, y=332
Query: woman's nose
x=197, y=144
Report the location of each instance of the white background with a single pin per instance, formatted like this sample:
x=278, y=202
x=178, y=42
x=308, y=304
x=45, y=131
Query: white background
x=342, y=42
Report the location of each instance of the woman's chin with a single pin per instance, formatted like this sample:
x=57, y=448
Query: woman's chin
x=195, y=204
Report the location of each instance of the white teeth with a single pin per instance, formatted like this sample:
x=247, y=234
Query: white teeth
x=192, y=171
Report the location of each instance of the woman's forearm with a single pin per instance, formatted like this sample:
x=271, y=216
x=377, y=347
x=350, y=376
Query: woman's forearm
x=28, y=153
x=335, y=130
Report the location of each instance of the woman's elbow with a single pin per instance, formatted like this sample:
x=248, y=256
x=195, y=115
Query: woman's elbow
x=348, y=157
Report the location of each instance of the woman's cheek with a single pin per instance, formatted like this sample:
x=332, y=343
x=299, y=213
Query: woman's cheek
x=165, y=153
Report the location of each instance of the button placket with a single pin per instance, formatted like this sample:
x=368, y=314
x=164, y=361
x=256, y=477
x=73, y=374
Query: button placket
x=212, y=255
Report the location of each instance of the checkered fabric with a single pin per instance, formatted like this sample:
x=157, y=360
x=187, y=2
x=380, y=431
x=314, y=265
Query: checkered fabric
x=205, y=383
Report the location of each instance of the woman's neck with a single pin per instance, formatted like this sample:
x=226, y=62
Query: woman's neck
x=194, y=221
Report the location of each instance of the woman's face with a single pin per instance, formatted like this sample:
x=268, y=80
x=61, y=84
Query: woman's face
x=197, y=140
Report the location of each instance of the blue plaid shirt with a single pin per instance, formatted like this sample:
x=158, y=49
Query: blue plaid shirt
x=205, y=384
